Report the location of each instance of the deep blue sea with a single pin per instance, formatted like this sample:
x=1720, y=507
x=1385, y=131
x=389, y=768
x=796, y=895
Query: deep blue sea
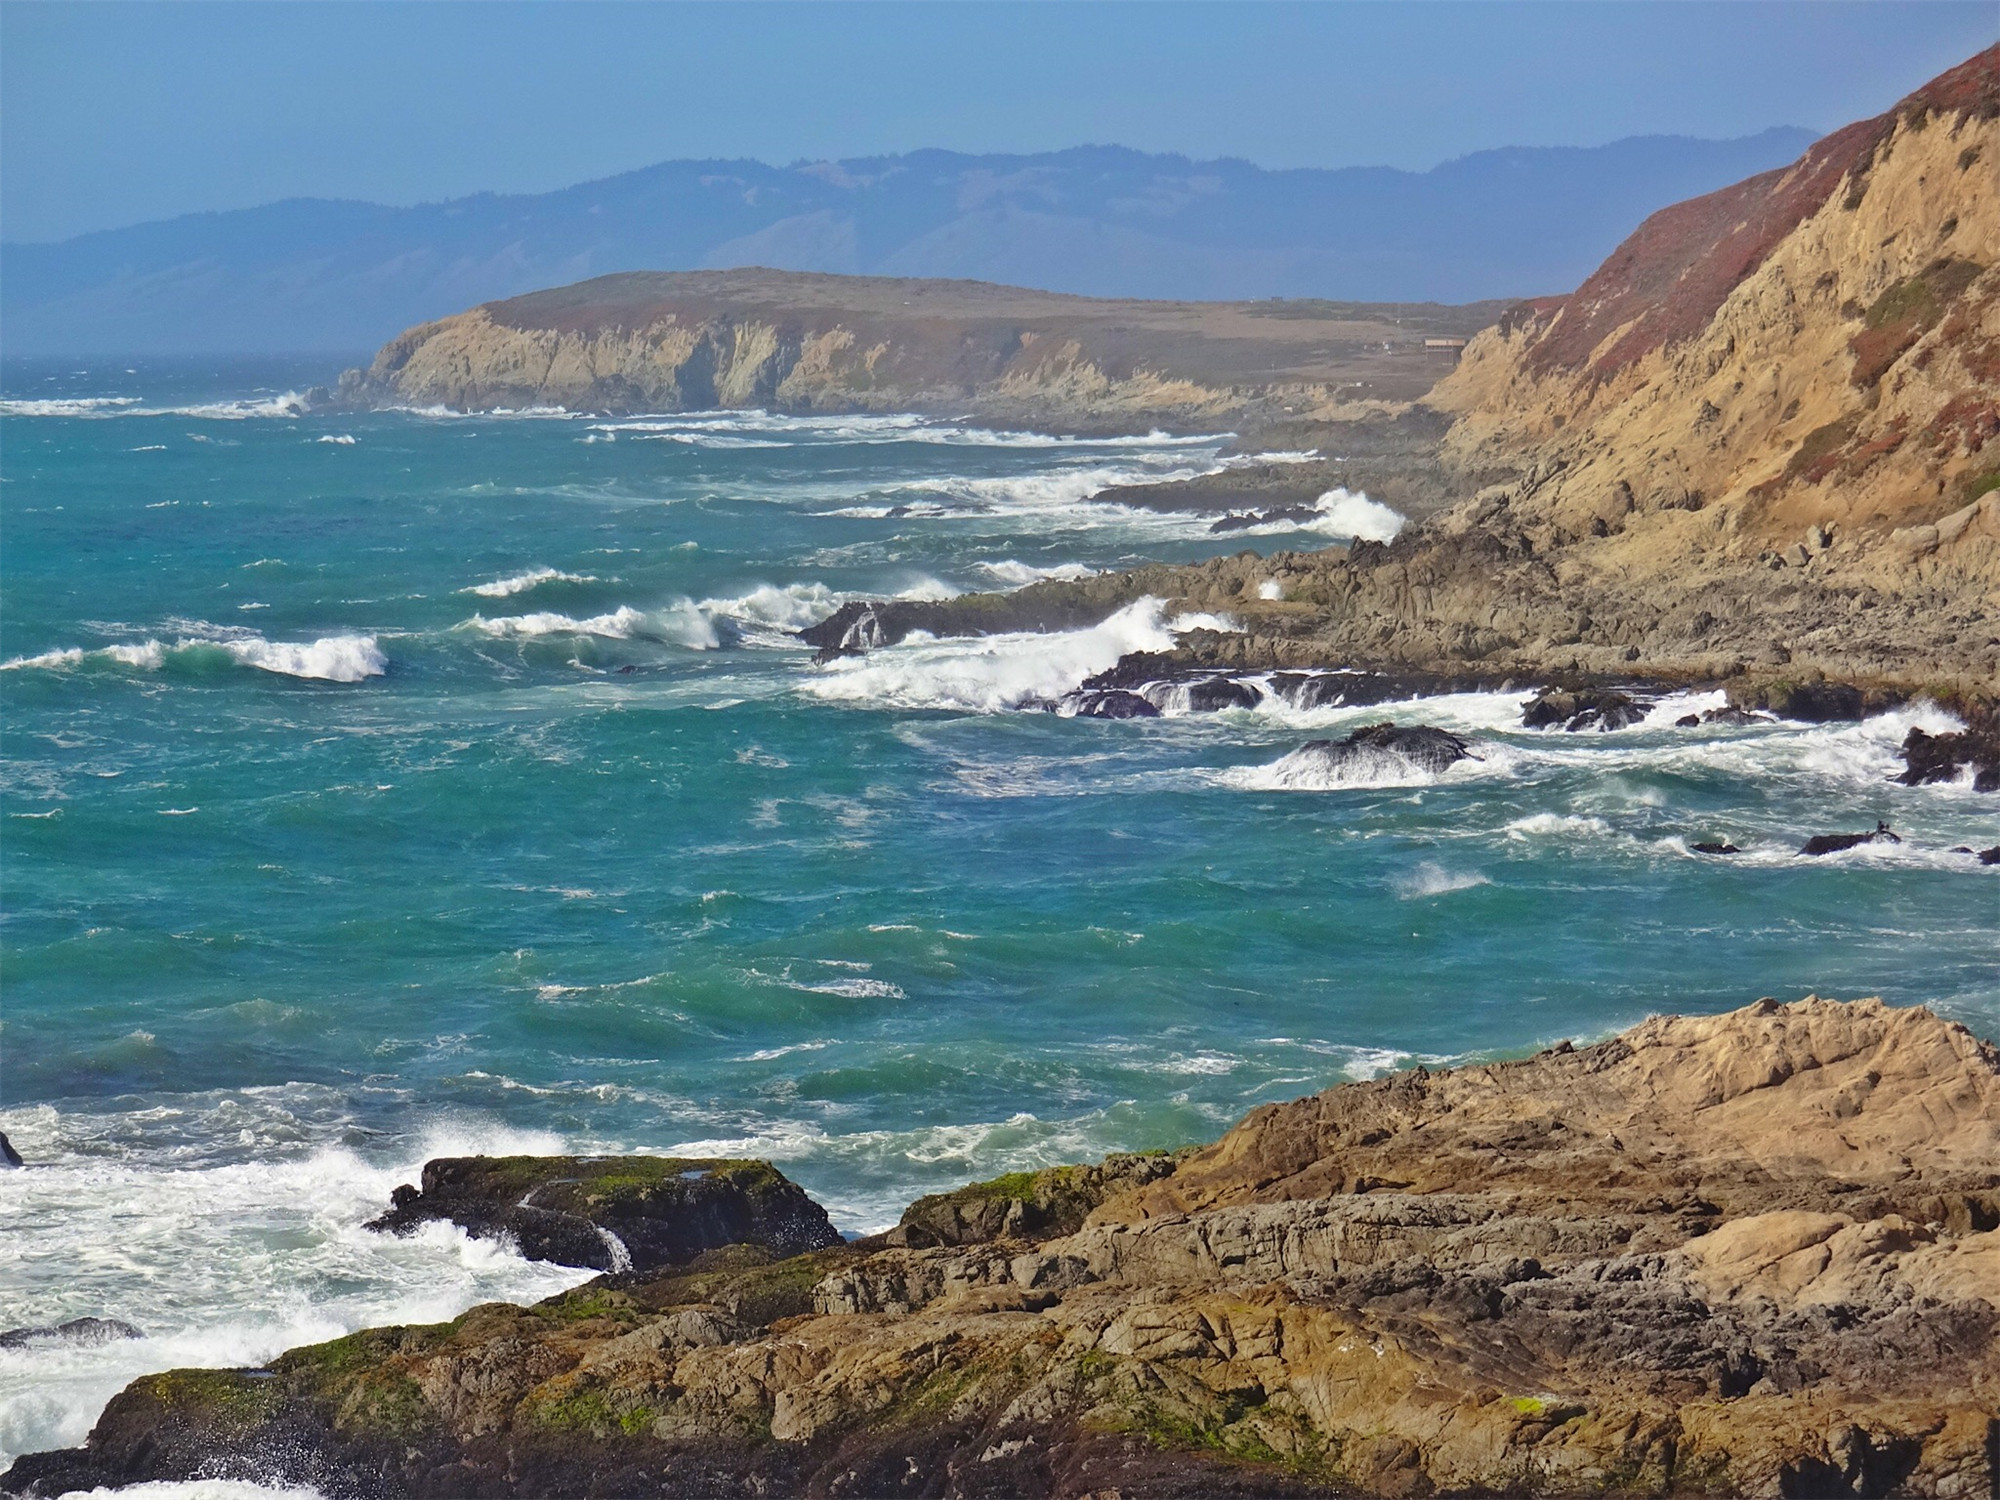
x=390, y=785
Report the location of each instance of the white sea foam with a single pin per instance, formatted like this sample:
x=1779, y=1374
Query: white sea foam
x=212, y=1225
x=754, y=428
x=82, y=406
x=331, y=658
x=1052, y=495
x=1014, y=574
x=853, y=989
x=1203, y=620
x=1556, y=825
x=1311, y=770
x=678, y=625
x=520, y=583
x=1430, y=878
x=289, y=404
x=987, y=674
x=1350, y=513
x=339, y=439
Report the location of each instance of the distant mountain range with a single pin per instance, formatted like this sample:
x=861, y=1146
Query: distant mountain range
x=317, y=275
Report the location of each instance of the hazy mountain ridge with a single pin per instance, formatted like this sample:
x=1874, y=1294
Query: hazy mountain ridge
x=316, y=274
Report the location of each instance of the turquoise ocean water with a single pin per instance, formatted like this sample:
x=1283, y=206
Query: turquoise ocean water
x=380, y=786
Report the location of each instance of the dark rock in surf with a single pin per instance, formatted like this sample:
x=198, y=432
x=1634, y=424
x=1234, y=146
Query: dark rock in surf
x=1810, y=702
x=1715, y=848
x=1601, y=709
x=1219, y=693
x=8, y=1155
x=615, y=1213
x=1688, y=721
x=1115, y=704
x=1990, y=856
x=1245, y=520
x=1730, y=714
x=1418, y=746
x=1833, y=843
x=1930, y=758
x=82, y=1333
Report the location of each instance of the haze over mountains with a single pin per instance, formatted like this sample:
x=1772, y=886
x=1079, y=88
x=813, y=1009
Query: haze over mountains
x=316, y=275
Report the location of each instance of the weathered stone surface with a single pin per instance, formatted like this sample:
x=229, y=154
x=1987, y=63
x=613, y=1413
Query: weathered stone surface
x=82, y=1331
x=1834, y=843
x=615, y=1213
x=1941, y=757
x=1752, y=1254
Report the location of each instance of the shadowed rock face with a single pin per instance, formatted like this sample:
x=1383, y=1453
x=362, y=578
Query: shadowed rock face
x=1751, y=1254
x=615, y=1213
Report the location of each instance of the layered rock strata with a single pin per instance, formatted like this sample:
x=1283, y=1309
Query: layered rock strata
x=1749, y=1254
x=802, y=342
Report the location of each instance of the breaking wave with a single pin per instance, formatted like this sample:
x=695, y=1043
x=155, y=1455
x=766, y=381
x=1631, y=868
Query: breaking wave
x=988, y=674
x=678, y=625
x=331, y=658
x=289, y=404
x=520, y=583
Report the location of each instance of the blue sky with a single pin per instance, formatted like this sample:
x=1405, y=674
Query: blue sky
x=111, y=113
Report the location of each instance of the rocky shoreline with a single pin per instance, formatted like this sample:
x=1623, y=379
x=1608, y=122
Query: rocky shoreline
x=1748, y=1254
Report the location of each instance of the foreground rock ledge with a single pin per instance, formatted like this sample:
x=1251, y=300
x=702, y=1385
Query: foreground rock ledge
x=1749, y=1254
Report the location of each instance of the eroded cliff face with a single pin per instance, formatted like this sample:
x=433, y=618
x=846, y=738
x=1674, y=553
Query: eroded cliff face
x=1750, y=1255
x=1761, y=443
x=1800, y=375
x=810, y=343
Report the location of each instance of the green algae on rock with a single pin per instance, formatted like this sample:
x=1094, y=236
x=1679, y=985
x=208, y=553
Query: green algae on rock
x=615, y=1213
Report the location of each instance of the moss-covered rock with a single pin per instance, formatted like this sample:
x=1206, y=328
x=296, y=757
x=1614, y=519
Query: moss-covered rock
x=615, y=1213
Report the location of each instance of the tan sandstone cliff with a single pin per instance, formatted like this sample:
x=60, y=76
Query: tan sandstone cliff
x=793, y=341
x=1762, y=441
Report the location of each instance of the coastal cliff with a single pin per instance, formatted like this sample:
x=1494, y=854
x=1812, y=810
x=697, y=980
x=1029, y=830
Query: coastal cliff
x=1757, y=444
x=1749, y=1254
x=799, y=342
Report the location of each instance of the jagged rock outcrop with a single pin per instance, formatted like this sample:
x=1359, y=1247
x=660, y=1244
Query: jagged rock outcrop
x=1752, y=1254
x=614, y=1213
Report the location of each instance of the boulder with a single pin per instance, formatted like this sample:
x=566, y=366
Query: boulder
x=1418, y=746
x=1812, y=702
x=1940, y=757
x=1833, y=843
x=9, y=1157
x=1217, y=693
x=1601, y=709
x=1724, y=848
x=1990, y=856
x=614, y=1213
x=1115, y=704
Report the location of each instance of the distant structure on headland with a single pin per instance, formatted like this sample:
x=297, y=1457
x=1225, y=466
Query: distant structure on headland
x=1450, y=346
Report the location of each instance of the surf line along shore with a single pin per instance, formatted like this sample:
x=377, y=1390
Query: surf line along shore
x=1753, y=1253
